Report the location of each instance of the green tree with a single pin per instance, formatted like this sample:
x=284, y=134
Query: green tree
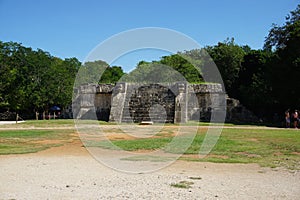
x=284, y=41
x=60, y=81
x=254, y=82
x=228, y=57
x=182, y=65
x=16, y=92
x=112, y=74
x=98, y=72
x=34, y=80
x=91, y=72
x=176, y=67
x=153, y=72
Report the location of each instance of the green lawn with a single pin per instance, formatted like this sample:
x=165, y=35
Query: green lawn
x=270, y=148
x=53, y=123
x=41, y=124
x=31, y=141
x=267, y=147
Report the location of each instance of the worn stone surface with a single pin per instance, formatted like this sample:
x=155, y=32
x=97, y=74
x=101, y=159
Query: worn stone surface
x=105, y=88
x=181, y=103
x=130, y=102
x=205, y=88
x=117, y=102
x=237, y=113
x=176, y=102
x=153, y=102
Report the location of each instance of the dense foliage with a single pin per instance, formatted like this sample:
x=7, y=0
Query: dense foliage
x=266, y=80
x=273, y=73
x=169, y=69
x=98, y=72
x=33, y=81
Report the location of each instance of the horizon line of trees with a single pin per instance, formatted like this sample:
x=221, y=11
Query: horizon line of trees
x=265, y=80
x=32, y=80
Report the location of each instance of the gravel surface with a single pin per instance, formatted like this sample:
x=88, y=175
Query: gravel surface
x=69, y=172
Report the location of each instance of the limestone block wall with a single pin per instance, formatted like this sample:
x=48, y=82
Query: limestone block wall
x=131, y=102
x=83, y=105
x=205, y=99
x=91, y=99
x=153, y=102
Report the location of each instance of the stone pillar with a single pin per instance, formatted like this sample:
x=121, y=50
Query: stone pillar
x=117, y=103
x=181, y=104
x=218, y=105
x=86, y=108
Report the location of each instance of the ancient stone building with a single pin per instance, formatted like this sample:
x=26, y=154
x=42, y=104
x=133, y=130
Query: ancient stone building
x=135, y=102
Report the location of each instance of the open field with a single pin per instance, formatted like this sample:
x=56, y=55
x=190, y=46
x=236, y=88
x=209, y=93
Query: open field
x=269, y=148
x=237, y=144
x=63, y=169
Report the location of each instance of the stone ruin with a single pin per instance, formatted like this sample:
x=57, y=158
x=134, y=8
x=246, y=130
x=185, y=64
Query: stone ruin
x=177, y=102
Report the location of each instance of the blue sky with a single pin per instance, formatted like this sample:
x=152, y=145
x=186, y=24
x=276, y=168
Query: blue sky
x=72, y=28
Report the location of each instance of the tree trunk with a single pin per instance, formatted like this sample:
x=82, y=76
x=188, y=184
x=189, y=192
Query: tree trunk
x=36, y=115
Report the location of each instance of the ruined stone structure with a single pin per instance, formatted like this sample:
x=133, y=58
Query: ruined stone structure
x=135, y=102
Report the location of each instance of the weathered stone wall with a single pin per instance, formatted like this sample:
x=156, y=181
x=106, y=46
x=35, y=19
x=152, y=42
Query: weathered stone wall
x=83, y=104
x=151, y=102
x=171, y=103
x=205, y=98
x=131, y=102
x=91, y=99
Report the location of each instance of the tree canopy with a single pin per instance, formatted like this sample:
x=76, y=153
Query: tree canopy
x=34, y=80
x=284, y=42
x=169, y=69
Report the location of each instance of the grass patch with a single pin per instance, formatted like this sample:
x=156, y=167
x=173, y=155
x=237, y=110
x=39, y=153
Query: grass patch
x=22, y=134
x=31, y=141
x=71, y=123
x=149, y=158
x=195, y=178
x=41, y=124
x=131, y=145
x=35, y=134
x=23, y=148
x=183, y=184
x=267, y=147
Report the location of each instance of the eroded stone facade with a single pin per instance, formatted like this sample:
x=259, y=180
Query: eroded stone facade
x=131, y=102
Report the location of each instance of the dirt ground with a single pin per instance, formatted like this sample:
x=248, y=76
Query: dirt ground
x=70, y=172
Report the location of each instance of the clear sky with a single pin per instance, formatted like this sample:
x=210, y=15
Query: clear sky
x=72, y=28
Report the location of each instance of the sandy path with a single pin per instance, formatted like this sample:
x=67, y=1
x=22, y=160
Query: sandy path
x=69, y=172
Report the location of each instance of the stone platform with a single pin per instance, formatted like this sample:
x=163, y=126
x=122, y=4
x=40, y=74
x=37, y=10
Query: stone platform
x=176, y=102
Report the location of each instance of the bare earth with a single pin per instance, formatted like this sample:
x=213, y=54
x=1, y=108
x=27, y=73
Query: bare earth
x=70, y=172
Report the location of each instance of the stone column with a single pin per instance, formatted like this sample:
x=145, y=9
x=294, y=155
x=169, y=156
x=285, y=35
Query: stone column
x=181, y=104
x=218, y=105
x=86, y=97
x=117, y=103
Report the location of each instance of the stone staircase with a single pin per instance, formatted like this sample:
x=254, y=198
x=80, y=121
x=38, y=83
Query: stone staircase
x=152, y=102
